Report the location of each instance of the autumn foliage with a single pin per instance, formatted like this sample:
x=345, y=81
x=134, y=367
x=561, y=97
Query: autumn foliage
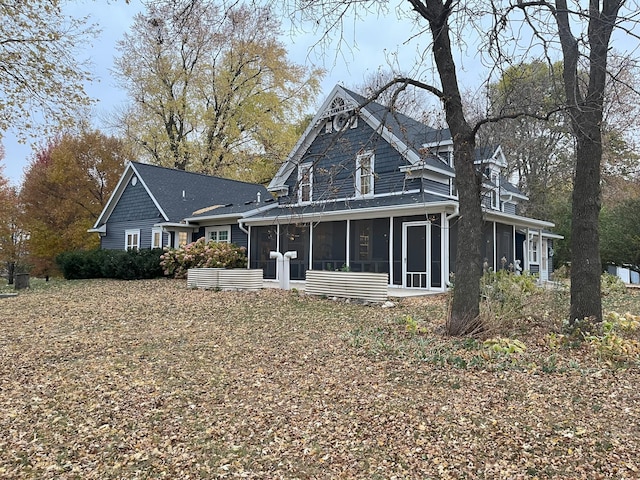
x=202, y=254
x=65, y=188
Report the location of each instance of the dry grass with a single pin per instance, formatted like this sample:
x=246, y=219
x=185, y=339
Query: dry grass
x=146, y=379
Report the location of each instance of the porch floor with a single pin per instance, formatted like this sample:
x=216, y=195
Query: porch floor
x=392, y=292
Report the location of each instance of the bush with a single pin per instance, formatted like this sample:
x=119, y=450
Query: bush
x=129, y=265
x=610, y=284
x=202, y=254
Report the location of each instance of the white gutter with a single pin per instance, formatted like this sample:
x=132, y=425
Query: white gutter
x=370, y=212
x=456, y=212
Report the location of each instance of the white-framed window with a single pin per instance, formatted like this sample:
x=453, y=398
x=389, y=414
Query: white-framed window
x=533, y=251
x=132, y=239
x=156, y=237
x=364, y=174
x=453, y=190
x=305, y=182
x=218, y=234
x=183, y=238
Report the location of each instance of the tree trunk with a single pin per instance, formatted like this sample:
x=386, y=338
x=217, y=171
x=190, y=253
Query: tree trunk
x=586, y=267
x=464, y=316
x=11, y=271
x=586, y=110
x=465, y=309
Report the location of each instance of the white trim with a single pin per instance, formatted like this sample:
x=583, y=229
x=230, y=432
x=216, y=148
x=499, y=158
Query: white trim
x=132, y=239
x=427, y=252
x=154, y=232
x=218, y=229
x=302, y=168
x=121, y=186
x=355, y=214
x=371, y=156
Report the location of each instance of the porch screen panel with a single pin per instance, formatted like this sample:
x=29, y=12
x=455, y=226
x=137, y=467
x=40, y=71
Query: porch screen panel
x=369, y=250
x=504, y=247
x=296, y=238
x=329, y=245
x=264, y=240
x=397, y=245
x=486, y=249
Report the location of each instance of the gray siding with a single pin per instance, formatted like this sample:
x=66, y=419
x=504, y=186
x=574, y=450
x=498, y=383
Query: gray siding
x=115, y=240
x=135, y=204
x=135, y=210
x=509, y=208
x=435, y=187
x=334, y=162
x=239, y=237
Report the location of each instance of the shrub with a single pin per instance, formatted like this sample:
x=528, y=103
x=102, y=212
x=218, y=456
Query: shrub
x=129, y=265
x=505, y=294
x=610, y=343
x=79, y=264
x=202, y=254
x=611, y=284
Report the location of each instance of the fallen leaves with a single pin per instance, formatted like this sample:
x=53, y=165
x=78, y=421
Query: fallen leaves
x=147, y=379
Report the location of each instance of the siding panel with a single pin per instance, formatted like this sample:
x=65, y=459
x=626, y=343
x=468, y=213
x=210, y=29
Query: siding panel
x=115, y=240
x=135, y=204
x=333, y=156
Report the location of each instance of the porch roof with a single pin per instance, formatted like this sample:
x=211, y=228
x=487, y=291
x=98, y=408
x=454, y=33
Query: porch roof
x=406, y=204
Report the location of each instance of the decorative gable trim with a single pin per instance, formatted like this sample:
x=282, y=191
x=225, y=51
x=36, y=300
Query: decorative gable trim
x=497, y=158
x=129, y=173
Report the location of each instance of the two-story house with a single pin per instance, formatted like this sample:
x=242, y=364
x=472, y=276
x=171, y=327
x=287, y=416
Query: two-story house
x=364, y=189
x=368, y=189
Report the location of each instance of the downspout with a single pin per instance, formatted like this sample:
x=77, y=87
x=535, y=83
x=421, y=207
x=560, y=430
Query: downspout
x=456, y=212
x=243, y=228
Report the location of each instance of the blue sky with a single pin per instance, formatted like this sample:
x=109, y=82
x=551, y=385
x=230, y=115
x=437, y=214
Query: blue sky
x=371, y=44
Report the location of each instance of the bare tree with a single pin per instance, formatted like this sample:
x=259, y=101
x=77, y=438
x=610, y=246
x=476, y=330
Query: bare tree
x=584, y=33
x=584, y=56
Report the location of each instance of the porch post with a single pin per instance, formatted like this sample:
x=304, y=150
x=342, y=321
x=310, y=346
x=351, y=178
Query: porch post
x=444, y=257
x=310, y=259
x=348, y=241
x=391, y=250
x=495, y=249
x=526, y=253
x=513, y=241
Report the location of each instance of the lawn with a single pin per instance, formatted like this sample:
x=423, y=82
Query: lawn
x=148, y=379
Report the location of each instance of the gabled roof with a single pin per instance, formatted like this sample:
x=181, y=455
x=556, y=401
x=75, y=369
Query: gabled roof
x=507, y=188
x=178, y=194
x=490, y=154
x=406, y=135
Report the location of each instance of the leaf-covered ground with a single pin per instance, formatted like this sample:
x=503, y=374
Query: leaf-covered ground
x=147, y=379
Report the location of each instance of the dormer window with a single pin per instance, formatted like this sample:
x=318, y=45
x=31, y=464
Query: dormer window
x=364, y=174
x=305, y=182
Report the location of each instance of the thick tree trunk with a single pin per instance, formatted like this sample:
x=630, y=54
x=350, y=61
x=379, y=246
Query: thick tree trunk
x=464, y=316
x=465, y=309
x=586, y=110
x=586, y=267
